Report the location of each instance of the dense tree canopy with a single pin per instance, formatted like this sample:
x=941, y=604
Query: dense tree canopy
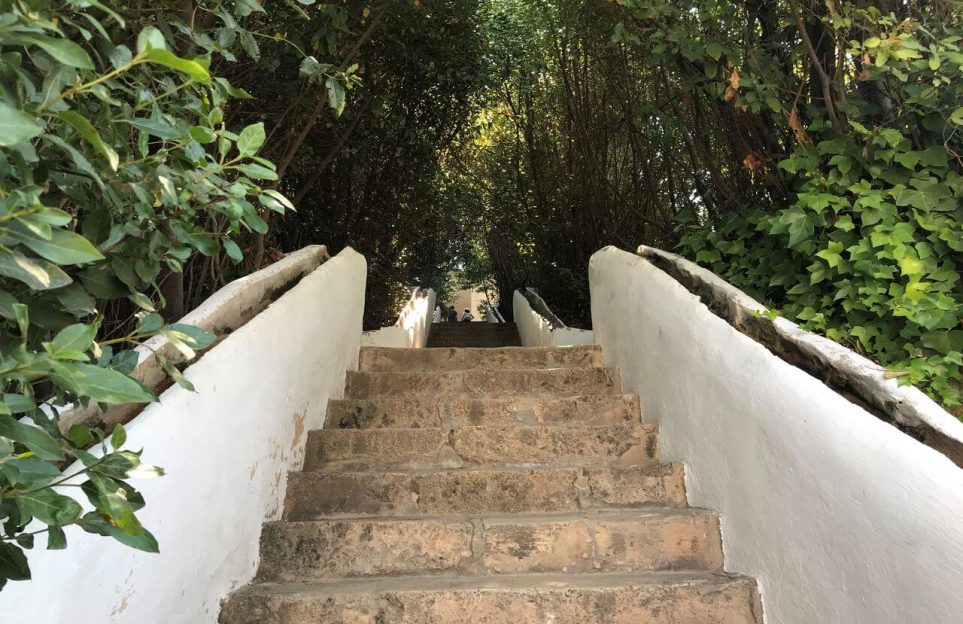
x=150, y=151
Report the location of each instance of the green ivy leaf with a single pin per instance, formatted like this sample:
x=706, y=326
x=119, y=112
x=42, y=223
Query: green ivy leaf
x=63, y=247
x=118, y=437
x=233, y=251
x=17, y=126
x=56, y=538
x=250, y=140
x=13, y=563
x=31, y=471
x=87, y=131
x=49, y=507
x=34, y=438
x=194, y=337
x=37, y=274
x=909, y=265
x=77, y=337
x=100, y=384
x=157, y=127
x=336, y=96
x=168, y=59
x=257, y=172
x=62, y=50
x=151, y=38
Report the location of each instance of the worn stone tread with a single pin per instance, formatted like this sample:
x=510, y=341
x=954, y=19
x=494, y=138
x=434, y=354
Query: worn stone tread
x=659, y=598
x=481, y=383
x=516, y=445
x=478, y=335
x=414, y=411
x=493, y=486
x=313, y=495
x=598, y=541
x=388, y=359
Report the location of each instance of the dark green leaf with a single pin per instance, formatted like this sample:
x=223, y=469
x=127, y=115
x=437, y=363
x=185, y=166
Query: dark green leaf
x=13, y=563
x=64, y=247
x=34, y=438
x=49, y=507
x=76, y=337
x=63, y=50
x=17, y=126
x=35, y=273
x=56, y=538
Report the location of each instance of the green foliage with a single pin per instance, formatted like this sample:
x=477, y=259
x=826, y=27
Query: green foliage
x=808, y=152
x=116, y=168
x=375, y=175
x=867, y=249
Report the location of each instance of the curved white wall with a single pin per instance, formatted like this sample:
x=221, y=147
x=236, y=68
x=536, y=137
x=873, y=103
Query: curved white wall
x=535, y=330
x=227, y=309
x=411, y=330
x=841, y=518
x=227, y=450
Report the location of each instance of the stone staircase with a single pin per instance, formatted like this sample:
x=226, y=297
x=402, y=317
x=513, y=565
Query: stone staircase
x=503, y=485
x=473, y=335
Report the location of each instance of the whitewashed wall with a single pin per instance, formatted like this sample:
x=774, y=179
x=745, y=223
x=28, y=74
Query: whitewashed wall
x=225, y=310
x=536, y=331
x=227, y=450
x=411, y=330
x=842, y=518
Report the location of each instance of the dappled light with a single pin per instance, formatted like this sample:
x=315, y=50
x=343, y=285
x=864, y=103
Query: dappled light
x=155, y=153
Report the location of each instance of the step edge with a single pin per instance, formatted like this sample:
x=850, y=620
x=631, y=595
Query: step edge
x=505, y=582
x=657, y=511
x=668, y=468
x=645, y=426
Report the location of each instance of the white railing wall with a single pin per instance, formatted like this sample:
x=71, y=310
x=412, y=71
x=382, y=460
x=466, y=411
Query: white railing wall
x=840, y=516
x=493, y=314
x=227, y=450
x=413, y=325
x=224, y=311
x=537, y=331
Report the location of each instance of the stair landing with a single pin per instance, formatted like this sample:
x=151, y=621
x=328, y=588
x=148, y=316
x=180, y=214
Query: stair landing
x=489, y=485
x=477, y=335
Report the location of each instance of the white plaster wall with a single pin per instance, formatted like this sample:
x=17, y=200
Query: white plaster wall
x=535, y=330
x=411, y=330
x=227, y=309
x=842, y=518
x=227, y=450
x=393, y=336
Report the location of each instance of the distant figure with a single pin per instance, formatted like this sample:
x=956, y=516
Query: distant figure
x=467, y=316
x=452, y=314
x=436, y=315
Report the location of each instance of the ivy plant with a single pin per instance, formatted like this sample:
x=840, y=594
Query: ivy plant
x=870, y=251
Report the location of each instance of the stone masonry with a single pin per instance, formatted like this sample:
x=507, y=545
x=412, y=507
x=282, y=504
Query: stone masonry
x=489, y=485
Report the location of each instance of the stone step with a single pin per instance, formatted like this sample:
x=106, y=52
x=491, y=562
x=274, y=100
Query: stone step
x=416, y=411
x=488, y=335
x=385, y=359
x=587, y=542
x=320, y=495
x=480, y=383
x=658, y=598
x=520, y=445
